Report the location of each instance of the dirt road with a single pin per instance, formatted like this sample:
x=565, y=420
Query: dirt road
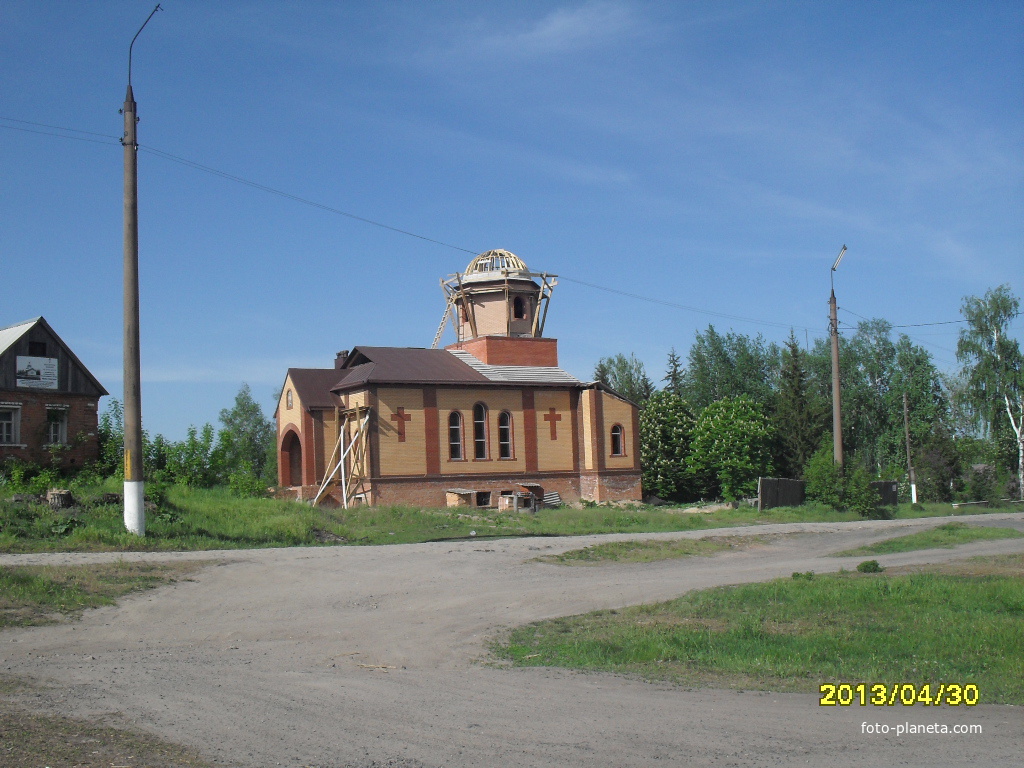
x=370, y=656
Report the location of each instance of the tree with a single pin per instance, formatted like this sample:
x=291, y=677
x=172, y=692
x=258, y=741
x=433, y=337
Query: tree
x=666, y=425
x=800, y=413
x=731, y=442
x=993, y=364
x=729, y=366
x=626, y=375
x=674, y=374
x=245, y=436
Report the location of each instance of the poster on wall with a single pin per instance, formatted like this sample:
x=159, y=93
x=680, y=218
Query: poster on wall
x=37, y=372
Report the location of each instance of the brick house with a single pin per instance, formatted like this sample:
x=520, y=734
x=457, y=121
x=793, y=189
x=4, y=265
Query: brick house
x=485, y=422
x=48, y=399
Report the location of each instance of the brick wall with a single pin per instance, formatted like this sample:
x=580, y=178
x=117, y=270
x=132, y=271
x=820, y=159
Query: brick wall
x=82, y=420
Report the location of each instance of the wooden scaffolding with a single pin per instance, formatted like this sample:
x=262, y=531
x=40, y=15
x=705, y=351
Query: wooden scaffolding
x=349, y=462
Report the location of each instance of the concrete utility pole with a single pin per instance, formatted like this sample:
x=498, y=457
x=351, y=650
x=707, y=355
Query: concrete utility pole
x=837, y=417
x=910, y=463
x=134, y=486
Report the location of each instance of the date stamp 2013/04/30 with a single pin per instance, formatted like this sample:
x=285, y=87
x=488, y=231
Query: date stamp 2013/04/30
x=893, y=694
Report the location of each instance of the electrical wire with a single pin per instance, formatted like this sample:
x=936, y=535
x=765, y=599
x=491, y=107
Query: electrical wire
x=330, y=209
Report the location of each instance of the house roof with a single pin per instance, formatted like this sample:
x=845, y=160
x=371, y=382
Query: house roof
x=12, y=333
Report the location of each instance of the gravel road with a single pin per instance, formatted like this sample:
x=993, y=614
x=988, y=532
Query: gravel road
x=371, y=656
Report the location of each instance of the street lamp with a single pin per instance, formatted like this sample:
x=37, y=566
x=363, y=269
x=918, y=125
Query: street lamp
x=134, y=488
x=837, y=419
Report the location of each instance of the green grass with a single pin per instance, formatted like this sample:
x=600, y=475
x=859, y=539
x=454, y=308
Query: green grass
x=946, y=536
x=961, y=626
x=651, y=551
x=196, y=519
x=33, y=595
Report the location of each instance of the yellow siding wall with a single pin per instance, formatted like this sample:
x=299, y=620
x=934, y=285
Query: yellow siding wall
x=496, y=400
x=618, y=412
x=553, y=454
x=285, y=415
x=587, y=400
x=401, y=458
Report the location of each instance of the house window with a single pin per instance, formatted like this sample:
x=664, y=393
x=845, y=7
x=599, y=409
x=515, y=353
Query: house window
x=455, y=436
x=10, y=419
x=56, y=426
x=519, y=308
x=505, y=435
x=288, y=400
x=37, y=349
x=618, y=444
x=480, y=431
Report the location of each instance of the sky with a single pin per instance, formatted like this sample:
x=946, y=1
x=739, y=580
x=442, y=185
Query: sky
x=709, y=159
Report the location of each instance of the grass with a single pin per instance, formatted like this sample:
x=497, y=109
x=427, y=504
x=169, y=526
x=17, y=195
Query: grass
x=945, y=536
x=196, y=519
x=651, y=551
x=959, y=626
x=33, y=595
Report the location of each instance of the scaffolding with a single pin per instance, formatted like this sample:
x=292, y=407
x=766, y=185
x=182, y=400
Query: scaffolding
x=350, y=463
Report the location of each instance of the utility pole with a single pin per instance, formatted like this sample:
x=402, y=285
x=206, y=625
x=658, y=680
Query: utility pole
x=837, y=416
x=134, y=485
x=910, y=465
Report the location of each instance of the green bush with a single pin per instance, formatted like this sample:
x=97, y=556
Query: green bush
x=824, y=481
x=870, y=566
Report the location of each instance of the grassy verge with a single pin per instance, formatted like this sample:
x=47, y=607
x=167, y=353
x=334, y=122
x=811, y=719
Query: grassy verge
x=195, y=519
x=33, y=595
x=945, y=536
x=651, y=551
x=959, y=626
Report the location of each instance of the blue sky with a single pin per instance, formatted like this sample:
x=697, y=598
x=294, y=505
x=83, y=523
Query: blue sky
x=712, y=155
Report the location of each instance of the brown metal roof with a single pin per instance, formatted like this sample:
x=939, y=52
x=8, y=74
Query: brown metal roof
x=314, y=385
x=404, y=365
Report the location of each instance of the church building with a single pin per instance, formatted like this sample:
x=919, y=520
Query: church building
x=489, y=421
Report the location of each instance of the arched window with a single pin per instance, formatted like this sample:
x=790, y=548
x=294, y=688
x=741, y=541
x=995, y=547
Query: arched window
x=618, y=444
x=480, y=431
x=505, y=435
x=519, y=308
x=288, y=400
x=455, y=436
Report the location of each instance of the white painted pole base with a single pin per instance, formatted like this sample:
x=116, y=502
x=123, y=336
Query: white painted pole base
x=134, y=507
x=913, y=493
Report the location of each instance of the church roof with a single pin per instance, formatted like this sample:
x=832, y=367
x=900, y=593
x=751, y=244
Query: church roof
x=313, y=386
x=410, y=365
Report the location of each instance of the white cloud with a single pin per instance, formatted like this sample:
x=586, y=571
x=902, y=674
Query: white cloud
x=564, y=30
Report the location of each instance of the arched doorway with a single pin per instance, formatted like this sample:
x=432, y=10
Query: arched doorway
x=291, y=460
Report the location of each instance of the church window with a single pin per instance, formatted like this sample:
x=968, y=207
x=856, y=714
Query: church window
x=479, y=431
x=10, y=419
x=505, y=435
x=455, y=436
x=288, y=399
x=519, y=308
x=618, y=444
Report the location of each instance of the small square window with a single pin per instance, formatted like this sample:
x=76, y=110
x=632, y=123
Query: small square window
x=483, y=498
x=37, y=349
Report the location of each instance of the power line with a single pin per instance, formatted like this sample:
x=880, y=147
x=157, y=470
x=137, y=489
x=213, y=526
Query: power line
x=305, y=201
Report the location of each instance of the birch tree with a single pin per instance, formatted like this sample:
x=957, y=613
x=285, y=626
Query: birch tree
x=993, y=365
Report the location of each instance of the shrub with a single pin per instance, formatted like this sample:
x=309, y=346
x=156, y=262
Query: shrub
x=870, y=566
